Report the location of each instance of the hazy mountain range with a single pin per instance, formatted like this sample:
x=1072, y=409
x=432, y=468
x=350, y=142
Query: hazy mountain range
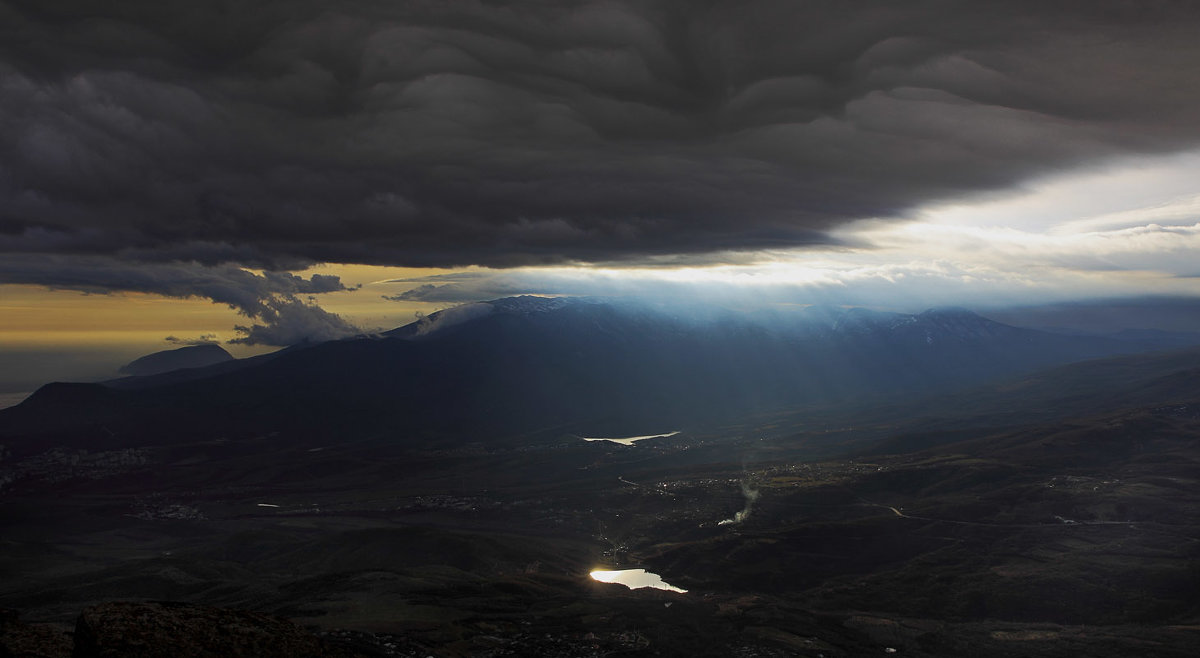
x=518, y=365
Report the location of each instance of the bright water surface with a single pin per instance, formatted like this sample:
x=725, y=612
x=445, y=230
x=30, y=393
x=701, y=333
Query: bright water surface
x=634, y=579
x=630, y=440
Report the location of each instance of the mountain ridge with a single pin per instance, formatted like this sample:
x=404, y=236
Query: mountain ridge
x=510, y=366
x=192, y=356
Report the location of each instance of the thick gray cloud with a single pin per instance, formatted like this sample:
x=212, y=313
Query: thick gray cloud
x=288, y=320
x=203, y=339
x=276, y=299
x=276, y=134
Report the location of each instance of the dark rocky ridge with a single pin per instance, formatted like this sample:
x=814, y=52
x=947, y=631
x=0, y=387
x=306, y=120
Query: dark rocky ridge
x=158, y=629
x=18, y=638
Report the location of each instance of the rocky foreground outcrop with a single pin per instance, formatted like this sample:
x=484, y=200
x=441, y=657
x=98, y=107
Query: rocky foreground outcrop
x=161, y=629
x=21, y=640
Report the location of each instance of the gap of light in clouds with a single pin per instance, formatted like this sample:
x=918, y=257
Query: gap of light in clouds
x=1123, y=230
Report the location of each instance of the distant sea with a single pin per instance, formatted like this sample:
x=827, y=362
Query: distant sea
x=12, y=399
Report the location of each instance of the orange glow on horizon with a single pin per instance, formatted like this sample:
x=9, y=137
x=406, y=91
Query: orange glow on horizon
x=36, y=316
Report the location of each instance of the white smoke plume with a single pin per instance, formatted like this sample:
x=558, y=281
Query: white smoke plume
x=751, y=495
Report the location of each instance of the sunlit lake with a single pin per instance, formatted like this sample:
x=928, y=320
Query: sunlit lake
x=634, y=579
x=629, y=440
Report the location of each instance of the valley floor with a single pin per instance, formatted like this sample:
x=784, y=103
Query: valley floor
x=1074, y=538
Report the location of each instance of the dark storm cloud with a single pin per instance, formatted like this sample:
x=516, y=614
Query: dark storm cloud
x=276, y=299
x=276, y=134
x=203, y=339
x=289, y=320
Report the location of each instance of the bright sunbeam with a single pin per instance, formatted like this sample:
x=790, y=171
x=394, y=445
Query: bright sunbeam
x=1129, y=192
x=1130, y=228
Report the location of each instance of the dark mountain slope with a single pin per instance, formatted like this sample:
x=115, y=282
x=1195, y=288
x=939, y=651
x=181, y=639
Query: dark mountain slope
x=1158, y=380
x=526, y=364
x=1089, y=387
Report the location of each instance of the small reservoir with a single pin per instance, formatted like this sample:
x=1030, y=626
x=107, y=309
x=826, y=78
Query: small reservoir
x=634, y=579
x=630, y=440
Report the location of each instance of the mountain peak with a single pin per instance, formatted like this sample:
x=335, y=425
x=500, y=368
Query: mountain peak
x=192, y=356
x=948, y=312
x=526, y=304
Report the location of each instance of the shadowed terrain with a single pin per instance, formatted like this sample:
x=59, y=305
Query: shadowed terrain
x=1052, y=513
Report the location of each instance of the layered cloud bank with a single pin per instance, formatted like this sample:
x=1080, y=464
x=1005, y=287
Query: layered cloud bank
x=479, y=133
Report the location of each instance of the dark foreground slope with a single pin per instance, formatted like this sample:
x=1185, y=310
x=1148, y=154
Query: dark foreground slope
x=1072, y=535
x=505, y=369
